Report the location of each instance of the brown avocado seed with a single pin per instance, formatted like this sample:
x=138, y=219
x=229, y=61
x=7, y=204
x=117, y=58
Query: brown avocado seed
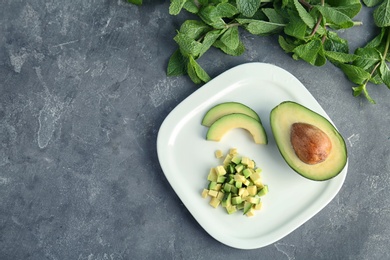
x=310, y=143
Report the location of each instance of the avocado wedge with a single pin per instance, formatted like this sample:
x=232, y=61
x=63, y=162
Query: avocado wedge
x=307, y=141
x=226, y=108
x=237, y=120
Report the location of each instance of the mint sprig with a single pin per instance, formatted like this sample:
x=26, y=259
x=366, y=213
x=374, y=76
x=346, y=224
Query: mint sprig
x=307, y=29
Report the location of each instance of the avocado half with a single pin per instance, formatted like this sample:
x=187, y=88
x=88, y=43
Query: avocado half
x=283, y=117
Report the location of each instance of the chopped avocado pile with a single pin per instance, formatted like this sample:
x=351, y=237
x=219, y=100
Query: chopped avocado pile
x=236, y=184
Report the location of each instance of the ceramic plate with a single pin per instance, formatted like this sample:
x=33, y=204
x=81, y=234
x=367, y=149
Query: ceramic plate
x=186, y=157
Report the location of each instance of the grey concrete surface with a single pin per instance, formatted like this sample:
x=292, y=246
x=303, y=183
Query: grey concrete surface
x=83, y=92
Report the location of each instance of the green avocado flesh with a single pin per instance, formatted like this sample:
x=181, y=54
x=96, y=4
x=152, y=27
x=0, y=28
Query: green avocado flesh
x=282, y=118
x=226, y=108
x=237, y=120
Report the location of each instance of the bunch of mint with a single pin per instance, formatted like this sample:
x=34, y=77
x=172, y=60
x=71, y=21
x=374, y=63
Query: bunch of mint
x=307, y=29
x=368, y=63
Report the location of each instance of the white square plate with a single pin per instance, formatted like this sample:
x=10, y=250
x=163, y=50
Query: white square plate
x=186, y=157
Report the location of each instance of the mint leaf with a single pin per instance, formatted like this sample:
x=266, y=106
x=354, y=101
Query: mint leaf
x=273, y=16
x=192, y=74
x=233, y=52
x=188, y=46
x=194, y=29
x=191, y=7
x=367, y=58
x=176, y=64
x=231, y=38
x=377, y=41
x=309, y=52
x=264, y=28
x=176, y=6
x=336, y=18
x=198, y=70
x=136, y=2
x=355, y=74
x=371, y=3
x=339, y=57
x=385, y=73
x=334, y=43
x=209, y=40
x=304, y=15
x=260, y=27
x=248, y=7
x=286, y=46
x=348, y=7
x=382, y=14
x=296, y=28
x=211, y=17
x=225, y=10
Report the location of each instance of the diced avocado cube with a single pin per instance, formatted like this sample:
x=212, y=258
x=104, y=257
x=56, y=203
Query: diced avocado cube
x=214, y=202
x=245, y=161
x=258, y=206
x=241, y=191
x=212, y=185
x=247, y=172
x=218, y=187
x=220, y=195
x=240, y=206
x=231, y=181
x=238, y=184
x=227, y=160
x=234, y=190
x=218, y=154
x=259, y=185
x=213, y=193
x=250, y=213
x=258, y=170
x=253, y=200
x=205, y=192
x=220, y=170
x=255, y=176
x=233, y=151
x=212, y=175
x=247, y=183
x=236, y=160
x=247, y=207
x=230, y=169
x=252, y=190
x=245, y=194
x=231, y=209
x=239, y=167
x=239, y=177
x=227, y=199
x=236, y=200
x=227, y=187
x=263, y=191
x=251, y=164
x=221, y=179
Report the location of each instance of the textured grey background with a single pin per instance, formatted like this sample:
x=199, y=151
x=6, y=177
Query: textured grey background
x=83, y=94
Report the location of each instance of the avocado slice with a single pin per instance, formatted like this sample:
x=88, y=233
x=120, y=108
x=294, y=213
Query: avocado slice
x=237, y=120
x=325, y=147
x=226, y=108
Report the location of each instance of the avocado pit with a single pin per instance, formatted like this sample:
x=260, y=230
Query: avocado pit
x=310, y=143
